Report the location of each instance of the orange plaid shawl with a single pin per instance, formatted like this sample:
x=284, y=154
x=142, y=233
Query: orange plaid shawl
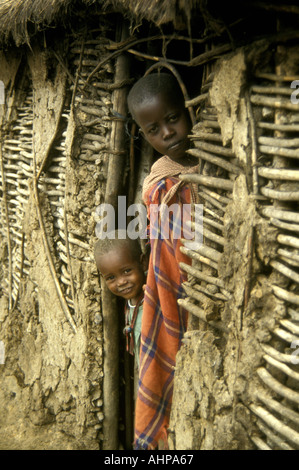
x=163, y=321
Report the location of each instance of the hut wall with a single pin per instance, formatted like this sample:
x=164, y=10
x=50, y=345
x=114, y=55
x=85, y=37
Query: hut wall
x=55, y=139
x=238, y=368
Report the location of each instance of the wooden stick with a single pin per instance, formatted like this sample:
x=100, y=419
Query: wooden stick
x=215, y=149
x=203, y=194
x=272, y=90
x=194, y=309
x=279, y=127
x=208, y=252
x=200, y=313
x=109, y=308
x=211, y=222
x=290, y=326
x=280, y=195
x=195, y=101
x=277, y=103
x=22, y=262
x=201, y=276
x=210, y=124
x=287, y=370
x=209, y=181
x=293, y=314
x=275, y=424
x=260, y=444
x=277, y=78
x=290, y=261
x=209, y=55
x=285, y=335
x=285, y=270
x=254, y=149
x=216, y=295
x=197, y=257
x=288, y=240
x=277, y=387
x=280, y=151
x=230, y=167
x=281, y=409
x=212, y=213
x=279, y=173
x=279, y=142
x=276, y=440
x=281, y=357
x=280, y=214
x=155, y=58
x=250, y=247
x=285, y=295
x=204, y=136
x=213, y=237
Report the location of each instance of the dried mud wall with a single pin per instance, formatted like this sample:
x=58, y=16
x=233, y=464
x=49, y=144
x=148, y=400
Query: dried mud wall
x=55, y=139
x=237, y=378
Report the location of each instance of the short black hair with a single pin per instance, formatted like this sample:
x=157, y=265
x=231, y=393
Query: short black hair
x=151, y=85
x=117, y=239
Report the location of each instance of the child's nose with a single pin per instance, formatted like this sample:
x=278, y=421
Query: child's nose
x=121, y=281
x=167, y=132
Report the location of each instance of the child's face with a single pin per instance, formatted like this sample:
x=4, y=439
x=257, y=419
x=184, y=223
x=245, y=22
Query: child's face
x=165, y=126
x=123, y=274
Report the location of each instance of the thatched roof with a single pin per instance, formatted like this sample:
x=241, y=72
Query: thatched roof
x=157, y=11
x=18, y=17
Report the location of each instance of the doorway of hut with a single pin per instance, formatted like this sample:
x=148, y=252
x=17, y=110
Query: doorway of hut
x=186, y=48
x=153, y=50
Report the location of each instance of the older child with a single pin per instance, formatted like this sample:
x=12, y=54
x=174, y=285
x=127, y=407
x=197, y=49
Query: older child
x=122, y=266
x=157, y=105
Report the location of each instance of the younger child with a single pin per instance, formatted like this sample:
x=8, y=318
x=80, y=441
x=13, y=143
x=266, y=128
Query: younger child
x=156, y=103
x=122, y=266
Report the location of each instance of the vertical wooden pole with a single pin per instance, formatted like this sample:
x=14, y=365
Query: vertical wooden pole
x=116, y=165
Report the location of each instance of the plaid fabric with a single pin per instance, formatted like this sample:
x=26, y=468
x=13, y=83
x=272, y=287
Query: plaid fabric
x=163, y=324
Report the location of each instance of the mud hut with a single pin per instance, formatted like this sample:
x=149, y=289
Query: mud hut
x=67, y=146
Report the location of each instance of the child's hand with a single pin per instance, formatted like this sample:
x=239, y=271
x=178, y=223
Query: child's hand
x=143, y=287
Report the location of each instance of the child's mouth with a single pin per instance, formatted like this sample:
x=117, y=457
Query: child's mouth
x=125, y=291
x=175, y=146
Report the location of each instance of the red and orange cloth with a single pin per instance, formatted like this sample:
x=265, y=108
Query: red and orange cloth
x=164, y=321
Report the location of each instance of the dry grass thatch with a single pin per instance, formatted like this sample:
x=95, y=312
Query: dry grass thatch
x=17, y=15
x=157, y=11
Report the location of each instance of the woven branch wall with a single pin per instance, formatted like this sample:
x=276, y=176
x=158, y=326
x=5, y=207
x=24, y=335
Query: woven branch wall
x=56, y=137
x=243, y=284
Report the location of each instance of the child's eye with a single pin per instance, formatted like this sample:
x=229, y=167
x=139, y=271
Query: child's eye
x=173, y=118
x=127, y=271
x=153, y=130
x=109, y=278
